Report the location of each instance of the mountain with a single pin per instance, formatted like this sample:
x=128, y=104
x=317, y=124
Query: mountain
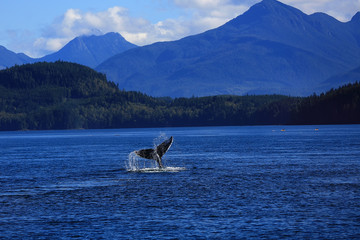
x=341, y=79
x=86, y=50
x=9, y=58
x=90, y=50
x=271, y=48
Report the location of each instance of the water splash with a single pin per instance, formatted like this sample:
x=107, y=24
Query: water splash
x=159, y=170
x=161, y=138
x=135, y=163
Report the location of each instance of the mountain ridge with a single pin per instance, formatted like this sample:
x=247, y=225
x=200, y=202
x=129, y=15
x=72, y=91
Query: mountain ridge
x=91, y=50
x=338, y=80
x=9, y=58
x=271, y=48
x=86, y=50
x=258, y=52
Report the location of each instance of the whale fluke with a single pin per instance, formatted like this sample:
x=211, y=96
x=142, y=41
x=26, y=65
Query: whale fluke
x=157, y=153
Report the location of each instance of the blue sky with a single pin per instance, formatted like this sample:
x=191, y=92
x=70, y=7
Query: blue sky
x=39, y=27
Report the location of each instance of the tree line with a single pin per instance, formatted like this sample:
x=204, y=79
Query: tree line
x=64, y=95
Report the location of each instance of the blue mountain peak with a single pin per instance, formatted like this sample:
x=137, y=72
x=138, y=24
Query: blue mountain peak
x=268, y=11
x=356, y=17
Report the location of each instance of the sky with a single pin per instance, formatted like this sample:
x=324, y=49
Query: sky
x=40, y=27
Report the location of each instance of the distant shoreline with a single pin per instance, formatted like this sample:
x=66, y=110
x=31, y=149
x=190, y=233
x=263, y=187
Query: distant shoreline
x=62, y=95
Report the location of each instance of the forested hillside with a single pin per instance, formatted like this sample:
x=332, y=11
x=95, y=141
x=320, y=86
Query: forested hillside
x=64, y=95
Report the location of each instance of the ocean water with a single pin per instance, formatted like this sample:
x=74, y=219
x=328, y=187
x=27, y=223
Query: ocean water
x=254, y=182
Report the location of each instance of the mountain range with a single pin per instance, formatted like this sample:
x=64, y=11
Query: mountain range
x=335, y=81
x=86, y=50
x=91, y=50
x=271, y=48
x=9, y=58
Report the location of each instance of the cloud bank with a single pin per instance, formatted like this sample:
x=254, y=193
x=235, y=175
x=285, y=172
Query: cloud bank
x=199, y=16
x=342, y=10
x=204, y=15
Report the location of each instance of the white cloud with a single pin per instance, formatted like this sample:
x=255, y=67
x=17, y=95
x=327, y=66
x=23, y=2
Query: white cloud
x=213, y=13
x=116, y=19
x=14, y=41
x=342, y=10
x=198, y=16
x=204, y=4
x=50, y=44
x=204, y=15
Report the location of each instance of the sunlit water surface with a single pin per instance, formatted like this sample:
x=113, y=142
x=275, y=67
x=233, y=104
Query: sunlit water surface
x=218, y=182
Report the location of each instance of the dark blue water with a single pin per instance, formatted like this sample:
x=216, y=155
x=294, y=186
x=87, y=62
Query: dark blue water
x=229, y=183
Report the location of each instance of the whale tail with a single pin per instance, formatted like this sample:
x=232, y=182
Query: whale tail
x=157, y=153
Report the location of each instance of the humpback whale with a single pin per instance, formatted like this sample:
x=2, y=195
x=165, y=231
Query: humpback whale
x=156, y=153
